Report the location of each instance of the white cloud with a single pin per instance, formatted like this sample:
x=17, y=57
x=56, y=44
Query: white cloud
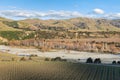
x=98, y=11
x=52, y=14
x=16, y=13
x=39, y=14
x=113, y=16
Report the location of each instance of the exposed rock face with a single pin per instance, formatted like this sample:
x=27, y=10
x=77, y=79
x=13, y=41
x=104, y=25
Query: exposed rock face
x=91, y=45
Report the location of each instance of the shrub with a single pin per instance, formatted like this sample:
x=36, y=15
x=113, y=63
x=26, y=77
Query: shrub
x=29, y=58
x=22, y=59
x=89, y=60
x=118, y=62
x=97, y=60
x=46, y=59
x=52, y=59
x=63, y=59
x=56, y=59
x=114, y=62
x=33, y=55
x=13, y=59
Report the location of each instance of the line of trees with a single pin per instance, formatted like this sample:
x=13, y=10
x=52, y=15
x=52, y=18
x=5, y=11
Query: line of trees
x=98, y=61
x=116, y=62
x=90, y=60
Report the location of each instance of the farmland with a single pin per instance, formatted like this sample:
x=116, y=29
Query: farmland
x=50, y=70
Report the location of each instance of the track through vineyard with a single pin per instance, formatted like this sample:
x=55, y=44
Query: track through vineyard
x=48, y=70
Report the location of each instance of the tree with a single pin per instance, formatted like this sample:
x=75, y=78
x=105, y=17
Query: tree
x=97, y=60
x=118, y=62
x=46, y=59
x=56, y=59
x=114, y=62
x=89, y=60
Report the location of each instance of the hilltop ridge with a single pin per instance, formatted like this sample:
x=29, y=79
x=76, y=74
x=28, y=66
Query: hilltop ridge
x=60, y=25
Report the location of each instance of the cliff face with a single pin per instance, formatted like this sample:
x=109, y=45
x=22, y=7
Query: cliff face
x=107, y=45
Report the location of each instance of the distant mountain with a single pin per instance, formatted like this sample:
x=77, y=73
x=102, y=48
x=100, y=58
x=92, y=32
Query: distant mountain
x=66, y=24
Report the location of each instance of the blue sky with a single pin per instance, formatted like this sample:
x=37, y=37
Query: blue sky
x=59, y=9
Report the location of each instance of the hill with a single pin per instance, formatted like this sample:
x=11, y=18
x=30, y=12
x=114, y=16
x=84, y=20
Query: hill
x=60, y=25
x=73, y=24
x=5, y=25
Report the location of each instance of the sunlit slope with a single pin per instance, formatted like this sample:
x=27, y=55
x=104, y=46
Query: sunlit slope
x=5, y=27
x=56, y=71
x=72, y=24
x=80, y=23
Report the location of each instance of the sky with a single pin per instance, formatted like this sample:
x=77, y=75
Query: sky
x=59, y=9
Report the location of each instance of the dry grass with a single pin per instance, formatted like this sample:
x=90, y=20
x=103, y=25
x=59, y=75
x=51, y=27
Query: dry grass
x=47, y=70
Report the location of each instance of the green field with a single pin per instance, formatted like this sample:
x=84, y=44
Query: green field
x=50, y=70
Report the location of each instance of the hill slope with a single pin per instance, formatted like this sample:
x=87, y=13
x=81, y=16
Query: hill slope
x=5, y=25
x=72, y=24
x=67, y=24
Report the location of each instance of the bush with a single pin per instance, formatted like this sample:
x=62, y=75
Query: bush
x=97, y=60
x=118, y=62
x=13, y=59
x=63, y=59
x=33, y=55
x=56, y=59
x=52, y=59
x=29, y=58
x=89, y=60
x=46, y=59
x=114, y=62
x=22, y=59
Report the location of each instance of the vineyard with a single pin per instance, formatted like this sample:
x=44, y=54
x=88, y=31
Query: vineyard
x=50, y=70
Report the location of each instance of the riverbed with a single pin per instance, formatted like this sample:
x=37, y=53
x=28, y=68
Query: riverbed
x=65, y=54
